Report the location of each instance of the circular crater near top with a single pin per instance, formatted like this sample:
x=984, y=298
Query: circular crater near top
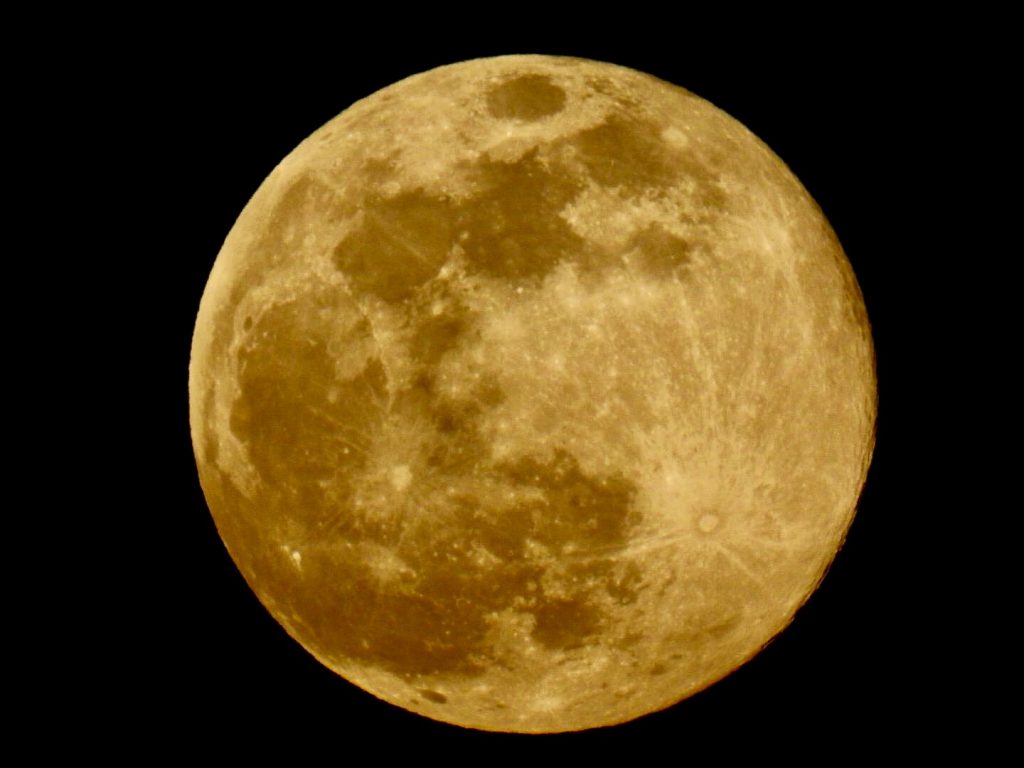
x=526, y=98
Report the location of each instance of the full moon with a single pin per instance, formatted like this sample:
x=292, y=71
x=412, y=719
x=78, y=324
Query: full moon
x=532, y=394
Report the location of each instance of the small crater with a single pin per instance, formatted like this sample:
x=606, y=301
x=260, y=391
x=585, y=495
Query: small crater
x=708, y=522
x=247, y=325
x=527, y=98
x=434, y=696
x=400, y=477
x=601, y=85
x=658, y=669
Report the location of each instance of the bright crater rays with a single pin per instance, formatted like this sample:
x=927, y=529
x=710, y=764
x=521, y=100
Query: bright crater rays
x=532, y=394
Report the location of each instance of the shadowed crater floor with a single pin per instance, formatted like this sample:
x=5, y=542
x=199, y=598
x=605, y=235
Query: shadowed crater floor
x=527, y=97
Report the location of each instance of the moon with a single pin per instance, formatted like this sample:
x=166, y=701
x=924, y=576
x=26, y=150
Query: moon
x=532, y=394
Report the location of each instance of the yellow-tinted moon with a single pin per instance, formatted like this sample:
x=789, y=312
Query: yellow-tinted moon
x=532, y=394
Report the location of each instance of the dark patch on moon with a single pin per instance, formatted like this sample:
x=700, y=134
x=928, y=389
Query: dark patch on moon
x=512, y=229
x=301, y=433
x=658, y=252
x=527, y=98
x=565, y=624
x=629, y=153
x=626, y=152
x=376, y=171
x=400, y=244
x=589, y=513
x=455, y=445
x=434, y=336
x=504, y=534
x=430, y=623
x=421, y=609
x=434, y=696
x=431, y=616
x=588, y=521
x=438, y=622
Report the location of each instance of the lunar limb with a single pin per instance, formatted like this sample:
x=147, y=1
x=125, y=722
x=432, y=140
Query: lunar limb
x=532, y=394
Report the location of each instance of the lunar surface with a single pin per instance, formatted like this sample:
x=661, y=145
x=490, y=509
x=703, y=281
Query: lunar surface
x=532, y=394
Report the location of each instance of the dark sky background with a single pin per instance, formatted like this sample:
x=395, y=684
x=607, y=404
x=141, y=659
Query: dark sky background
x=208, y=664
